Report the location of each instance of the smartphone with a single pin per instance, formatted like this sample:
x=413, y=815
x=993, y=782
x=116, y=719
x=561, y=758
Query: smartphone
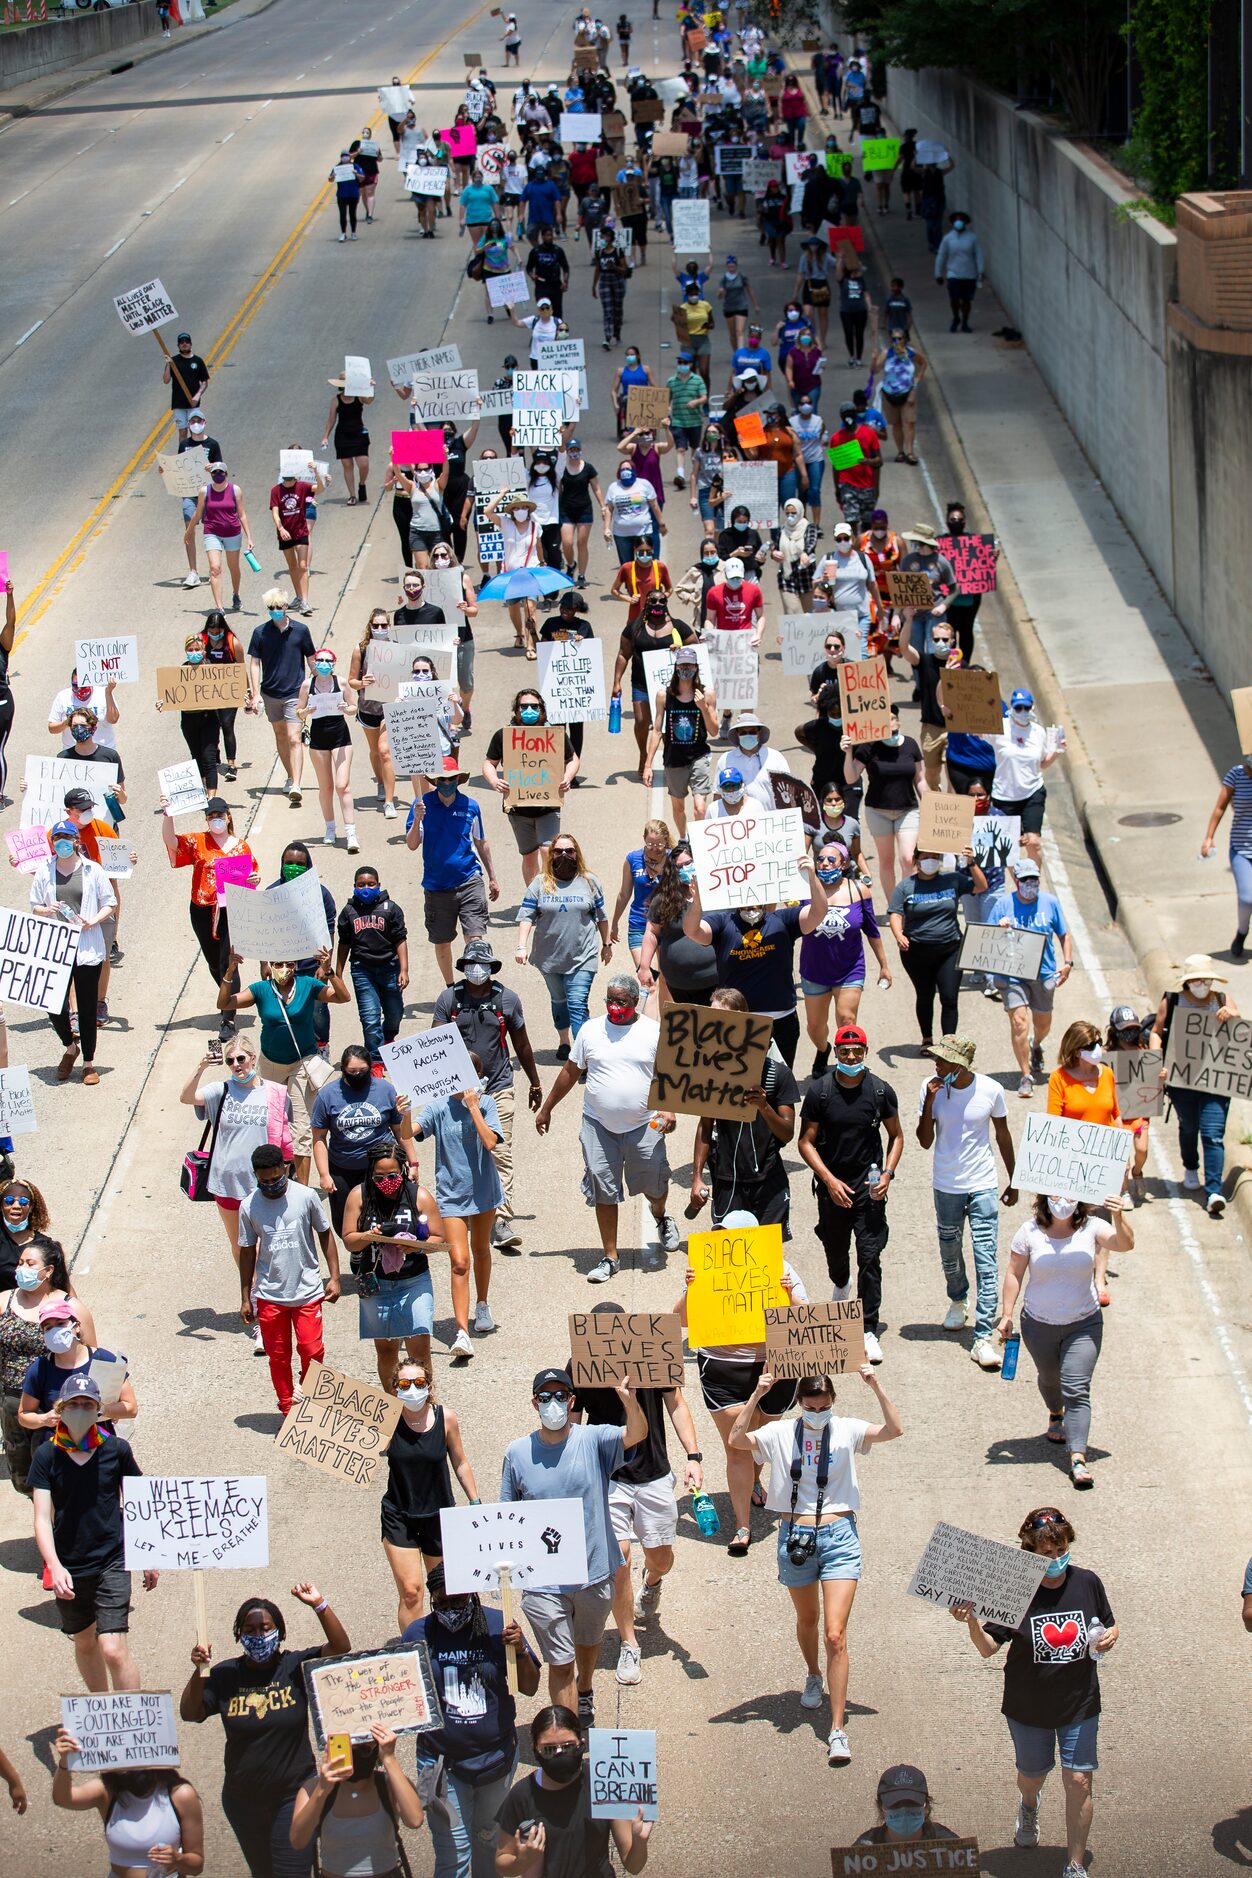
x=339, y=1750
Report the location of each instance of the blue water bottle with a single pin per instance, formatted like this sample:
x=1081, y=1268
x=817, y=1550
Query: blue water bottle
x=1012, y=1349
x=615, y=714
x=706, y=1514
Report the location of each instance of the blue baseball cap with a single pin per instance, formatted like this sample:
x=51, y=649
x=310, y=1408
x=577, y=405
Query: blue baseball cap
x=1021, y=697
x=731, y=779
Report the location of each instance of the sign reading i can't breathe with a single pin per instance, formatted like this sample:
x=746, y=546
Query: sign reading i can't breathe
x=622, y=1763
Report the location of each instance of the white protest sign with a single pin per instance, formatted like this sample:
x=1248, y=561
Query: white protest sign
x=555, y=355
x=426, y=179
x=1074, y=1160
x=403, y=370
x=113, y=661
x=1004, y=951
x=36, y=959
x=115, y=858
x=121, y=1728
x=172, y=1523
x=507, y=289
x=755, y=485
x=622, y=1766
x=691, y=227
x=658, y=667
x=357, y=382
x=325, y=704
x=996, y=840
x=498, y=402
x=542, y=402
x=581, y=126
x=759, y=173
x=928, y=151
x=286, y=922
x=430, y=1064
x=960, y=1567
x=394, y=100
x=145, y=308
x=543, y=1542
x=749, y=859
x=298, y=463
x=445, y=588
x=803, y=637
x=48, y=778
x=571, y=680
x=440, y=397
x=17, y=1104
x=413, y=732
x=735, y=668
x=1140, y=1090
x=182, y=788
x=184, y=475
x=494, y=473
x=431, y=636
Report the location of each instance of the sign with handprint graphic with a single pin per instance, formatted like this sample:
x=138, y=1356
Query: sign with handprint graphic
x=543, y=1543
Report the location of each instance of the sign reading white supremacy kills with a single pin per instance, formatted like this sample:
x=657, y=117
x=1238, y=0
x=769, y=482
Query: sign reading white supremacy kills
x=430, y=1065
x=543, y=1542
x=287, y=922
x=571, y=680
x=749, y=859
x=960, y=1567
x=121, y=1728
x=195, y=1523
x=145, y=308
x=36, y=959
x=1075, y=1160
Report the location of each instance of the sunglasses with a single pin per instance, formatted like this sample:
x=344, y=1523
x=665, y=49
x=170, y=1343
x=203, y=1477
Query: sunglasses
x=235, y=1062
x=553, y=1395
x=18, y=1200
x=1042, y=1520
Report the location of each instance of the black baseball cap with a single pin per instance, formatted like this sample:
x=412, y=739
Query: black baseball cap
x=79, y=799
x=217, y=805
x=547, y=1377
x=903, y=1782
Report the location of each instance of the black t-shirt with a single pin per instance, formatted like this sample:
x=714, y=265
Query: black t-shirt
x=424, y=615
x=557, y=627
x=103, y=753
x=649, y=1461
x=372, y=933
x=929, y=670
x=265, y=1712
x=495, y=754
x=824, y=737
x=758, y=960
x=849, y=1117
x=194, y=374
x=824, y=674
x=745, y=542
x=574, y=492
x=640, y=638
x=1050, y=1677
x=548, y=264
x=86, y=1503
x=686, y=964
x=211, y=447
x=577, y=1845
x=747, y=1151
x=891, y=769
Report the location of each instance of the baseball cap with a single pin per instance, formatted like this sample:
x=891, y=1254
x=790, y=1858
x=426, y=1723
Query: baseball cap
x=1026, y=870
x=684, y=358
x=57, y=1311
x=731, y=779
x=1022, y=697
x=903, y=1782
x=848, y=412
x=1123, y=1016
x=181, y=337
x=544, y=302
x=575, y=443
x=217, y=805
x=547, y=1377
x=842, y=532
x=196, y=417
x=64, y=828
x=851, y=1033
x=78, y=1385
x=734, y=568
x=686, y=655
x=79, y=799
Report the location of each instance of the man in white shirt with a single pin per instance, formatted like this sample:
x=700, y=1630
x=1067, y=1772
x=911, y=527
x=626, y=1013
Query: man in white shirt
x=1024, y=750
x=957, y=1112
x=623, y=1149
x=748, y=765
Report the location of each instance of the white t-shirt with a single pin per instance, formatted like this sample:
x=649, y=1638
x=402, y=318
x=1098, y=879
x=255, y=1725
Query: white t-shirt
x=1061, y=1283
x=619, y=1060
x=1019, y=756
x=627, y=503
x=64, y=703
x=964, y=1159
x=776, y=1443
x=756, y=768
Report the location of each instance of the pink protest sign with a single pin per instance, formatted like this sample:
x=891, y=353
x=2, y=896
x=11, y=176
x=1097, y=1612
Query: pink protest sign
x=973, y=559
x=461, y=139
x=233, y=870
x=418, y=446
x=27, y=848
x=4, y=567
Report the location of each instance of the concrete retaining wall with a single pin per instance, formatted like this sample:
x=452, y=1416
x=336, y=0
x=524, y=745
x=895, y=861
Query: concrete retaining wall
x=38, y=50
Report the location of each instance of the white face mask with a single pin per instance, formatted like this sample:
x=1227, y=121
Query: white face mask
x=554, y=1415
x=1199, y=987
x=1094, y=1056
x=1021, y=714
x=816, y=1418
x=929, y=864
x=412, y=1396
x=477, y=974
x=1061, y=1209
x=216, y=824
x=59, y=1338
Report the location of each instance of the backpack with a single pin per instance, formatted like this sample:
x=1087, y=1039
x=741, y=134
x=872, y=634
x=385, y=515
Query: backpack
x=495, y=1004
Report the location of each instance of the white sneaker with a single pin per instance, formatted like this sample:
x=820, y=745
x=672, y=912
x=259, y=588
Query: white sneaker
x=354, y=846
x=389, y=811
x=1216, y=1206
x=483, y=1320
x=629, y=1664
x=192, y=580
x=814, y=1692
x=461, y=1347
x=1026, y=1827
x=1191, y=1177
x=986, y=1353
x=329, y=837
x=294, y=796
x=838, y=1753
x=873, y=1349
x=258, y=1347
x=956, y=1315
x=647, y=1599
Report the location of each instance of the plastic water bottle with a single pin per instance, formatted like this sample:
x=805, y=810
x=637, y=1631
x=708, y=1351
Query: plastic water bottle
x=706, y=1514
x=615, y=714
x=1012, y=1350
x=873, y=1175
x=1095, y=1635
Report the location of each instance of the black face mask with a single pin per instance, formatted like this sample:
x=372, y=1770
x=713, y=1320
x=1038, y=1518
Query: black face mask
x=564, y=866
x=357, y=1078
x=563, y=1762
x=273, y=1189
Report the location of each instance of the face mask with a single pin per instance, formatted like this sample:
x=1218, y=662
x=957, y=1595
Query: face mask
x=687, y=873
x=1028, y=889
x=929, y=864
x=815, y=1418
x=959, y=225
x=708, y=560
x=943, y=646
x=217, y=632
x=323, y=667
x=453, y=1616
x=749, y=744
x=1020, y=713
x=292, y=870
x=806, y=410
x=80, y=733
x=564, y=866
x=852, y=1070
x=216, y=824
x=276, y=614
x=620, y=1013
x=446, y=790
x=380, y=632
x=63, y=849
x=563, y=1762
x=193, y=658
x=828, y=875
x=477, y=974
x=77, y=1421
x=1061, y=1209
x=632, y=358
x=529, y=713
x=389, y=1184
x=28, y=1278
x=1057, y=1567
x=259, y=1649
x=60, y=1338
x=906, y=1820
x=752, y=916
x=894, y=739
x=554, y=1415
x=273, y=1189
x=1094, y=1056
x=368, y=895
x=243, y=1076
x=357, y=1078
x=1199, y=987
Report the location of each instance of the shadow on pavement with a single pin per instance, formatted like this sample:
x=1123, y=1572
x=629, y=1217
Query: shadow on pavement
x=1232, y=1838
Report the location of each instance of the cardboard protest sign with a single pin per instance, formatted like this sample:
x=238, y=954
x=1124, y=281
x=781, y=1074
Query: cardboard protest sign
x=606, y=170
x=621, y=1763
x=17, y=1104
x=430, y=1064
x=507, y=289
x=707, y=1060
x=121, y=1728
x=802, y=637
x=348, y=1694
x=184, y=475
x=390, y=665
x=49, y=778
x=571, y=680
x=1213, y=1058
x=37, y=957
x=145, y=308
x=736, y=670
x=973, y=559
x=413, y=733
x=608, y=1347
x=759, y=173
x=627, y=199
x=749, y=859
x=879, y=153
x=909, y=589
x=201, y=687
x=194, y=1523
x=586, y=59
x=669, y=143
x=647, y=407
x=285, y=922
x=1140, y=1090
x=181, y=786
x=339, y=1426
x=1241, y=704
x=472, y=60
x=28, y=847
x=754, y=484
x=580, y=127
x=971, y=703
x=737, y=1274
x=792, y=792
x=996, y=840
x=923, y=1857
x=534, y=764
x=642, y=111
x=960, y=1567
x=691, y=227
x=814, y=1339
x=1003, y=951
x=946, y=823
x=658, y=667
x=543, y=1543
x=866, y=699
x=1075, y=1160
x=404, y=370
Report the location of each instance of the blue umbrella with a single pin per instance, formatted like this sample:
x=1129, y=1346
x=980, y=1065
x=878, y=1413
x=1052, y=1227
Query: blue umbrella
x=525, y=583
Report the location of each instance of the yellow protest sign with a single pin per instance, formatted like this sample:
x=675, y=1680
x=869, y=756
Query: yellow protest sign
x=737, y=1273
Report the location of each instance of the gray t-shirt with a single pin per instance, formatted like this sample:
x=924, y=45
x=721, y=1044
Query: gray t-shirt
x=579, y=1468
x=288, y=1270
x=564, y=917
x=244, y=1126
x=479, y=1022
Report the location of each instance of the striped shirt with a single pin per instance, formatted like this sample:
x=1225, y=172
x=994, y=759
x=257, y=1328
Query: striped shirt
x=1238, y=780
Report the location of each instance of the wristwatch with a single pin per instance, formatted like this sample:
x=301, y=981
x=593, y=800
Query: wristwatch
x=697, y=1456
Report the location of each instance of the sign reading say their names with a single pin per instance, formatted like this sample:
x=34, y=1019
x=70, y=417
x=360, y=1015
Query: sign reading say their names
x=960, y=1567
x=430, y=1064
x=571, y=680
x=348, y=1694
x=543, y=1542
x=1003, y=951
x=201, y=687
x=194, y=1523
x=403, y=370
x=621, y=1764
x=339, y=1426
x=608, y=1347
x=37, y=957
x=749, y=859
x=814, y=1339
x=1075, y=1160
x=145, y=308
x=866, y=697
x=121, y=1728
x=1140, y=1090
x=707, y=1060
x=284, y=922
x=737, y=1274
x=924, y=1857
x=1213, y=1058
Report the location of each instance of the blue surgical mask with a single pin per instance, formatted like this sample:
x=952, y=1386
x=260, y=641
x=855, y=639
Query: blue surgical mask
x=29, y=1278
x=749, y=744
x=852, y=1070
x=259, y=1649
x=367, y=895
x=63, y=849
x=193, y=658
x=529, y=713
x=906, y=1820
x=276, y=614
x=324, y=666
x=687, y=874
x=1057, y=1567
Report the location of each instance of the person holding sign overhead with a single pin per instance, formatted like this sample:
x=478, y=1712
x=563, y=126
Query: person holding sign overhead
x=755, y=947
x=152, y=1816
x=200, y=852
x=351, y=1810
x=70, y=888
x=284, y=1000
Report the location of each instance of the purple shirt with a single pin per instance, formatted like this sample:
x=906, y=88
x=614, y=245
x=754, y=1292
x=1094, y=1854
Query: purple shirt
x=835, y=953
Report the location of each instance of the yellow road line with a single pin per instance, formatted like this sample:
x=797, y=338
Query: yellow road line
x=70, y=559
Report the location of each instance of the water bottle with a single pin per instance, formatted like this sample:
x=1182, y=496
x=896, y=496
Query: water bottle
x=615, y=714
x=1012, y=1350
x=706, y=1514
x=873, y=1175
x=1095, y=1635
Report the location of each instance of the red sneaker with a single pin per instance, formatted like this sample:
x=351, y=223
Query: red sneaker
x=378, y=1069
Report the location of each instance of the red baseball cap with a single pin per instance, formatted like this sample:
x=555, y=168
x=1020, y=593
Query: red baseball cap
x=850, y=1033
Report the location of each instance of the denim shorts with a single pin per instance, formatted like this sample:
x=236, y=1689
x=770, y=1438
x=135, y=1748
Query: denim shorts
x=838, y=1554
x=399, y=1308
x=812, y=989
x=1035, y=1748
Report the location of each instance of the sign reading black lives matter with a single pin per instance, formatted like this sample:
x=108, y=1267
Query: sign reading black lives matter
x=543, y=1542
x=706, y=1061
x=608, y=1347
x=1211, y=1058
x=960, y=1567
x=1004, y=951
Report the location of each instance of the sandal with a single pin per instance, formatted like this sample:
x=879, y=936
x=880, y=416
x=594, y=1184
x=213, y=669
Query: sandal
x=758, y=1494
x=738, y=1547
x=1079, y=1472
x=1055, y=1429
x=912, y=460
x=900, y=457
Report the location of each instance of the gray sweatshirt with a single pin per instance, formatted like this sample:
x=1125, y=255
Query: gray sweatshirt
x=960, y=256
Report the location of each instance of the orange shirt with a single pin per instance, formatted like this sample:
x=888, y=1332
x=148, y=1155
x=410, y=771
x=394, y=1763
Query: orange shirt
x=200, y=852
x=1069, y=1097
x=89, y=837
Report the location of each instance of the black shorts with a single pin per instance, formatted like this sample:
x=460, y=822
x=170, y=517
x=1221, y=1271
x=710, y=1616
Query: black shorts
x=728, y=1385
x=103, y=1601
x=575, y=518
x=423, y=1534
x=1030, y=808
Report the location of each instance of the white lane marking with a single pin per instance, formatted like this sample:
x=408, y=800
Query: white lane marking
x=14, y=199
x=114, y=248
x=267, y=104
x=228, y=136
x=355, y=576
x=28, y=333
x=930, y=487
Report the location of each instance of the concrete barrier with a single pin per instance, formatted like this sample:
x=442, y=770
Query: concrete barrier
x=38, y=50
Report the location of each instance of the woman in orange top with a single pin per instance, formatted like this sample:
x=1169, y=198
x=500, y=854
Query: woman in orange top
x=201, y=852
x=1083, y=1088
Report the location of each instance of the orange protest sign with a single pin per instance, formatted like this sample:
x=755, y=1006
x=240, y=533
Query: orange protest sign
x=750, y=430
